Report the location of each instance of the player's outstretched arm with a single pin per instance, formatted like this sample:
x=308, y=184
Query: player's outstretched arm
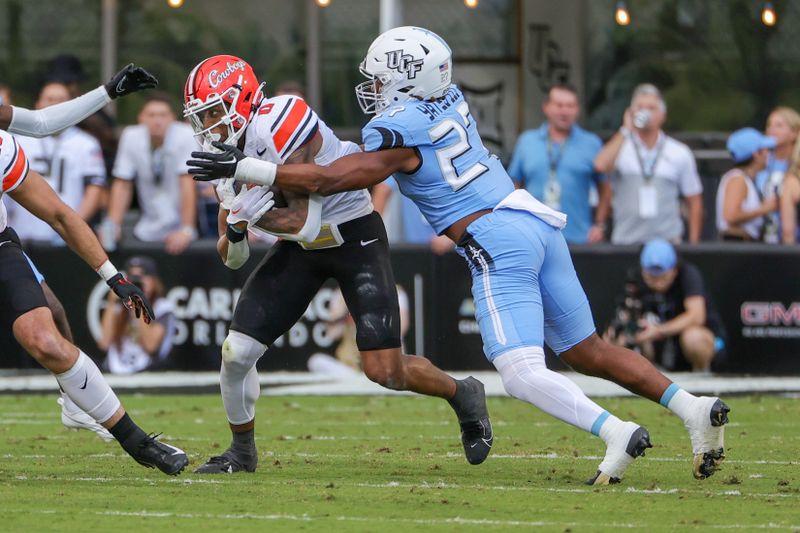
x=35, y=195
x=50, y=120
x=348, y=173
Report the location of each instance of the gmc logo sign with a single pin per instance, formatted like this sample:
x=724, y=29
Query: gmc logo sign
x=770, y=314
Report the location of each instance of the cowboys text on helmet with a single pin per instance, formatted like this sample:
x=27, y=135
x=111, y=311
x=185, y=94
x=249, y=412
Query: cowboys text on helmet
x=215, y=78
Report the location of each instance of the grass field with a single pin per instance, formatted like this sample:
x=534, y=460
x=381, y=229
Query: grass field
x=392, y=464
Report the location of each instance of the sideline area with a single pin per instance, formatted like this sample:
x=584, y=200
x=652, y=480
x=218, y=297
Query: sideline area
x=308, y=384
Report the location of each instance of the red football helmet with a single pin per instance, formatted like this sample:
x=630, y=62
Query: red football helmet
x=221, y=90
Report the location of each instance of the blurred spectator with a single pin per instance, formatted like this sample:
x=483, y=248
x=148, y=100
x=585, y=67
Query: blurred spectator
x=68, y=69
x=72, y=164
x=741, y=212
x=783, y=124
x=555, y=163
x=673, y=321
x=650, y=172
x=131, y=345
x=291, y=88
x=153, y=154
x=415, y=229
x=789, y=200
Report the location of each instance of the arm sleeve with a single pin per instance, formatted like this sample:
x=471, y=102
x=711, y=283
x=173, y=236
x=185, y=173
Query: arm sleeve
x=689, y=179
x=52, y=119
x=13, y=163
x=125, y=163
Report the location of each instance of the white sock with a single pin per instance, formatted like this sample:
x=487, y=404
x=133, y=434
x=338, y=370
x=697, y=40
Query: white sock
x=678, y=401
x=526, y=377
x=238, y=378
x=88, y=389
x=610, y=428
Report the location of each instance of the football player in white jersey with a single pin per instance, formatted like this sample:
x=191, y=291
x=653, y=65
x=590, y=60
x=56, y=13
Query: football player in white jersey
x=72, y=164
x=23, y=307
x=337, y=237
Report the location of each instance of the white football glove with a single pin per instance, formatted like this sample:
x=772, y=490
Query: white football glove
x=250, y=205
x=226, y=192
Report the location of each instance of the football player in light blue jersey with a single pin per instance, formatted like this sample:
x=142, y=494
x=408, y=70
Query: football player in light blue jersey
x=525, y=287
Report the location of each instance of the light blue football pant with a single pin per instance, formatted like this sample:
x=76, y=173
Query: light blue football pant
x=527, y=293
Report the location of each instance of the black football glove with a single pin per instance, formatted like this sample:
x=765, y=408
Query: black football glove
x=129, y=80
x=209, y=166
x=132, y=297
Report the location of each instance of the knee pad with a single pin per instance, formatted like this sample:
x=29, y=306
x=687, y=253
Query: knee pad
x=378, y=330
x=241, y=351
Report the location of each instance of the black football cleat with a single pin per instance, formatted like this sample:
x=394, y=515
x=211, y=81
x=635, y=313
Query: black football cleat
x=228, y=463
x=469, y=404
x=153, y=453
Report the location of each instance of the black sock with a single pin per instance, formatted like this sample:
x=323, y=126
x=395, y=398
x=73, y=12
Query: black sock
x=128, y=434
x=244, y=442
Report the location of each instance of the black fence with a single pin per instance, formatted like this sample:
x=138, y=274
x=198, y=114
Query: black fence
x=755, y=288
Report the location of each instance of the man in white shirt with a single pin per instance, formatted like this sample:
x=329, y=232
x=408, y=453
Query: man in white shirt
x=153, y=154
x=650, y=172
x=72, y=164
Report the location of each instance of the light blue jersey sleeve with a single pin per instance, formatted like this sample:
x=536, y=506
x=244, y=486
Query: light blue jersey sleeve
x=384, y=134
x=457, y=175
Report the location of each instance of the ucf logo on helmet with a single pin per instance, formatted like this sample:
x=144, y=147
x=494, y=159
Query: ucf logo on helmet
x=215, y=78
x=404, y=63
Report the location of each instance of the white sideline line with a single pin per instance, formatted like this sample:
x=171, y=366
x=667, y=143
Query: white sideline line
x=435, y=485
x=449, y=455
x=457, y=520
x=179, y=481
x=630, y=490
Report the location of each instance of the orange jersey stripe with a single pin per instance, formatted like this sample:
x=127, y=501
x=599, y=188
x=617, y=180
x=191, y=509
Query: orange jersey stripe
x=290, y=124
x=17, y=171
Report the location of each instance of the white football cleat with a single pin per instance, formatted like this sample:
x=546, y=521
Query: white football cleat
x=625, y=446
x=707, y=431
x=79, y=420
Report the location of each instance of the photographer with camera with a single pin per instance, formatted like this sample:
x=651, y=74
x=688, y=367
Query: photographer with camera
x=133, y=346
x=666, y=313
x=650, y=172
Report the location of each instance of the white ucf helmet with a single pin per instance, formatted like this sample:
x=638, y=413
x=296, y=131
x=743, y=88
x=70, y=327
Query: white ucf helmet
x=404, y=63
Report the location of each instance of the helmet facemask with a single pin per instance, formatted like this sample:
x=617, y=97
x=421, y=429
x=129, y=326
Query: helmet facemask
x=371, y=97
x=225, y=106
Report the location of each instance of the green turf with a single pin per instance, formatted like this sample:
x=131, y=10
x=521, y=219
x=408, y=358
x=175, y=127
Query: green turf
x=394, y=464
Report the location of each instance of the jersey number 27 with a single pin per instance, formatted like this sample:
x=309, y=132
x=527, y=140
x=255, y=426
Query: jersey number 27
x=447, y=155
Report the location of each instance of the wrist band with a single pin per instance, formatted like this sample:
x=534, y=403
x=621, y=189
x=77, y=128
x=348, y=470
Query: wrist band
x=107, y=270
x=233, y=234
x=252, y=170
